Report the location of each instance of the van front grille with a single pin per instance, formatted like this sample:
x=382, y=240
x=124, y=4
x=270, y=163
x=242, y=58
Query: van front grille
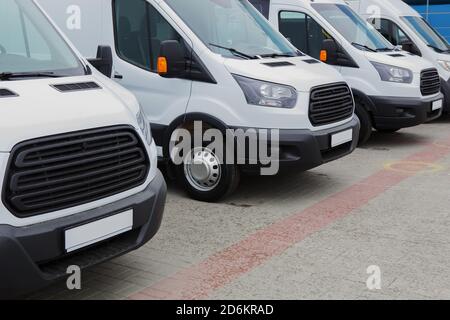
x=430, y=82
x=63, y=171
x=330, y=103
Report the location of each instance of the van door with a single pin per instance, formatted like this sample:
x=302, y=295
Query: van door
x=139, y=31
x=390, y=30
x=301, y=30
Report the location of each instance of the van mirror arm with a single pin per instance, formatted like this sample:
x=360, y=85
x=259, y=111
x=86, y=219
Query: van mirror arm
x=104, y=60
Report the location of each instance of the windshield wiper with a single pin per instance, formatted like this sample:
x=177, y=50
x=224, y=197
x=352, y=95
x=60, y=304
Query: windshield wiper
x=14, y=75
x=235, y=52
x=385, y=49
x=363, y=46
x=278, y=55
x=439, y=50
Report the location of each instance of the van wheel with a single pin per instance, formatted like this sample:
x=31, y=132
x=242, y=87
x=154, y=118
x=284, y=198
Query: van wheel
x=205, y=178
x=366, y=123
x=388, y=130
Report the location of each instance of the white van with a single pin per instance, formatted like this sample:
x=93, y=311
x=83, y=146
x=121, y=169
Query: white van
x=78, y=164
x=228, y=68
x=405, y=27
x=392, y=89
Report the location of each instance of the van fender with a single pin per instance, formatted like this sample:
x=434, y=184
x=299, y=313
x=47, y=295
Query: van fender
x=163, y=133
x=365, y=100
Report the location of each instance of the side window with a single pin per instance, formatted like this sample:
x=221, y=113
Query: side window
x=140, y=29
x=390, y=31
x=263, y=6
x=303, y=32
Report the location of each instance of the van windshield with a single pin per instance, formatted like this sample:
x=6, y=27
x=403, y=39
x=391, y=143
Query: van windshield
x=29, y=45
x=427, y=34
x=232, y=28
x=352, y=27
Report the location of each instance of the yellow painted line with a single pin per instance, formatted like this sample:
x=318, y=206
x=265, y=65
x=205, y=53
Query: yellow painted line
x=413, y=167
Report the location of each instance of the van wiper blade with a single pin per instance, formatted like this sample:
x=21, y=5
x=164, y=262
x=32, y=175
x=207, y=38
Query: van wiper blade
x=439, y=50
x=14, y=75
x=235, y=52
x=277, y=55
x=385, y=49
x=363, y=46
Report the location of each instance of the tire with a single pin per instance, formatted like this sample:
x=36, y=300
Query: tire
x=388, y=130
x=207, y=166
x=366, y=123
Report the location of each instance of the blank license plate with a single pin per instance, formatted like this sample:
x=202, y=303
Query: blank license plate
x=436, y=105
x=341, y=138
x=97, y=231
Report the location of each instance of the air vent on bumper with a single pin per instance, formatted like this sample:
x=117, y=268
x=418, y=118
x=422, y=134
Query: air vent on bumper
x=79, y=86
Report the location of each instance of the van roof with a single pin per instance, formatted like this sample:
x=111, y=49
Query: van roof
x=393, y=7
x=306, y=1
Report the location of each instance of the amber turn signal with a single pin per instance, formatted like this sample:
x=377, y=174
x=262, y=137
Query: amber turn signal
x=162, y=65
x=323, y=55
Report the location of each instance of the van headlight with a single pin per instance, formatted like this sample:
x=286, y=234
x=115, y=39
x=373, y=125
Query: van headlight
x=267, y=94
x=444, y=64
x=144, y=125
x=393, y=73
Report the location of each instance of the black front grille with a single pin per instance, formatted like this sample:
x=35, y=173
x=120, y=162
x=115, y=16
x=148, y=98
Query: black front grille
x=430, y=82
x=330, y=103
x=63, y=171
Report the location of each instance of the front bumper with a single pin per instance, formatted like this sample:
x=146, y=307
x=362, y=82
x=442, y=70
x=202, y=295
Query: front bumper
x=396, y=113
x=303, y=150
x=445, y=88
x=34, y=256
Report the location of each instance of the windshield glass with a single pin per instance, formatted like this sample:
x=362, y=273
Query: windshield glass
x=427, y=33
x=352, y=27
x=30, y=44
x=232, y=24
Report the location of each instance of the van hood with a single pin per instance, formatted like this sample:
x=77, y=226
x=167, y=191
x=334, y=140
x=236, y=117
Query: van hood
x=400, y=59
x=39, y=110
x=302, y=73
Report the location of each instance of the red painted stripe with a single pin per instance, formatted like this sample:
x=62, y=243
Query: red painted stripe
x=200, y=280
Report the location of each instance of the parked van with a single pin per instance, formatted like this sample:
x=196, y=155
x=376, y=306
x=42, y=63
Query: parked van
x=219, y=62
x=392, y=89
x=405, y=27
x=79, y=176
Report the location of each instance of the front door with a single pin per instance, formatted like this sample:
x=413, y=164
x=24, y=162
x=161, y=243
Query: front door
x=139, y=31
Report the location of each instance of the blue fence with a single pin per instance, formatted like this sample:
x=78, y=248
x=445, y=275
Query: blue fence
x=437, y=13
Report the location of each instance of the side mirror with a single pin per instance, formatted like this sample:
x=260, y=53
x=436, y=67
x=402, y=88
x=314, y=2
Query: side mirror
x=104, y=60
x=329, y=52
x=171, y=60
x=411, y=47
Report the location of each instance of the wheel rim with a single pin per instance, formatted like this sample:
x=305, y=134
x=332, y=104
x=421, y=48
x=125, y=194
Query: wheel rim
x=202, y=169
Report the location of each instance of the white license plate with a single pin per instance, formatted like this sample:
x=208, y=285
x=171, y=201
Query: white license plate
x=97, y=231
x=341, y=138
x=436, y=105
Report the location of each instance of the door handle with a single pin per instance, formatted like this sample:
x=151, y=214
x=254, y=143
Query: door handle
x=117, y=76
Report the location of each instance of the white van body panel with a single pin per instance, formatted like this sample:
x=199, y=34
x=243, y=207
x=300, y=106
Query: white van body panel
x=365, y=78
x=393, y=10
x=165, y=100
x=40, y=111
